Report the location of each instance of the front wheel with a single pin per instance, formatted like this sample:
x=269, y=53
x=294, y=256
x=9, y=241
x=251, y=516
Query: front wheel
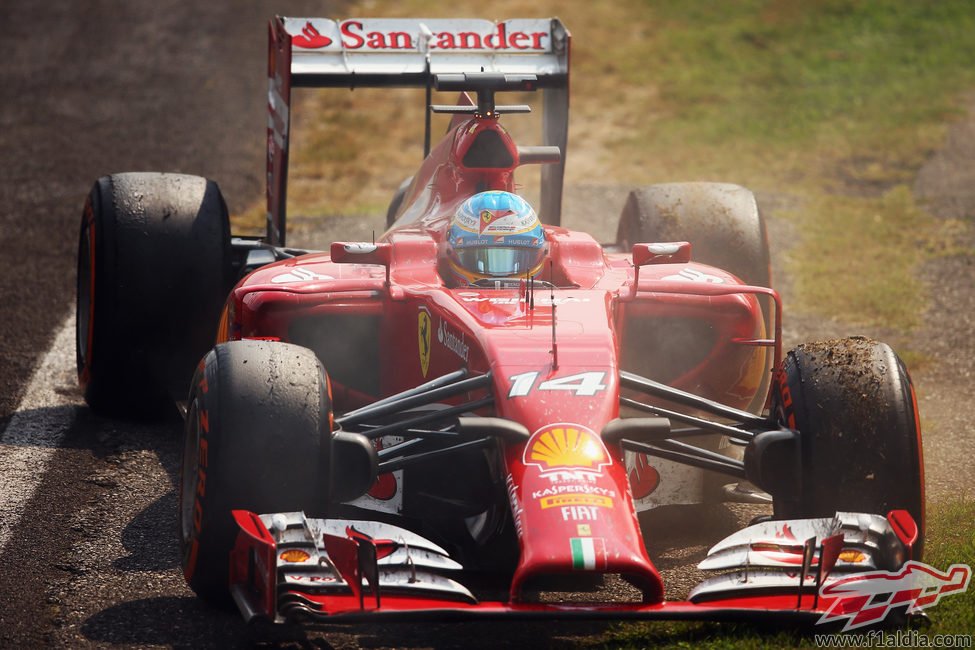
x=258, y=437
x=853, y=404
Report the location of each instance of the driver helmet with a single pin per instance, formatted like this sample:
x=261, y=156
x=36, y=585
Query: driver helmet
x=495, y=234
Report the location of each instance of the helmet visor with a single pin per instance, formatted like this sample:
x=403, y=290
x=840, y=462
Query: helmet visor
x=498, y=261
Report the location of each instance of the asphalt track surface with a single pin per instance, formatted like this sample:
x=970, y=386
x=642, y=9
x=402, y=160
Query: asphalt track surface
x=88, y=553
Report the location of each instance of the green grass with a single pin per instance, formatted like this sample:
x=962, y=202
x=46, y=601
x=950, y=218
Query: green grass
x=858, y=255
x=841, y=269
x=785, y=83
x=951, y=540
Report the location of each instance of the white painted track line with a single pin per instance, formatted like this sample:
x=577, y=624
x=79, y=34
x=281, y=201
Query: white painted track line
x=37, y=428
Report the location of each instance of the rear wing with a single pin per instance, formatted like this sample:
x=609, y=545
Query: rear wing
x=410, y=52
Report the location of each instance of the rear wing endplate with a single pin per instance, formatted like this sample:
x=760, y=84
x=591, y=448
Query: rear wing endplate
x=410, y=52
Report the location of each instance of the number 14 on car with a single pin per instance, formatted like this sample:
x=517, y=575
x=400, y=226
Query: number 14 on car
x=584, y=384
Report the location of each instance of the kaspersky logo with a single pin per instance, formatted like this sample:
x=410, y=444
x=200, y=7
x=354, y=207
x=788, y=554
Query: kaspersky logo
x=868, y=598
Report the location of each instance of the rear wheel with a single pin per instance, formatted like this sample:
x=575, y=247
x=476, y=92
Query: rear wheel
x=853, y=404
x=258, y=437
x=720, y=220
x=154, y=267
x=397, y=201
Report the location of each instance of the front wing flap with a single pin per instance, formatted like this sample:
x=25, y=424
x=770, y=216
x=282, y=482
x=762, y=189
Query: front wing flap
x=780, y=544
x=286, y=566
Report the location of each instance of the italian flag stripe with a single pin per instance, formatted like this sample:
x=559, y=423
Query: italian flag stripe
x=583, y=553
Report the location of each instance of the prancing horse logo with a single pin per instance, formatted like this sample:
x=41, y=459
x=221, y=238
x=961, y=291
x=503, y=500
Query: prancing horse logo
x=423, y=338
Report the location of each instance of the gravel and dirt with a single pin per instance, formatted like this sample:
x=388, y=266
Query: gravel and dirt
x=97, y=87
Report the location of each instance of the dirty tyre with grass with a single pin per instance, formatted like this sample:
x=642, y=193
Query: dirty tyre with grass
x=154, y=267
x=853, y=404
x=258, y=438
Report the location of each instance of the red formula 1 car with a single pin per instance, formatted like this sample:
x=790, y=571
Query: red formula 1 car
x=373, y=434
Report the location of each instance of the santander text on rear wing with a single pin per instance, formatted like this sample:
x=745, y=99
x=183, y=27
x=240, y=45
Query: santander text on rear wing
x=410, y=52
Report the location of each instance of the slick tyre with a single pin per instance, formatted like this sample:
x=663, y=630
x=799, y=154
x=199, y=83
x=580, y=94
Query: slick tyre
x=853, y=404
x=720, y=220
x=154, y=267
x=258, y=438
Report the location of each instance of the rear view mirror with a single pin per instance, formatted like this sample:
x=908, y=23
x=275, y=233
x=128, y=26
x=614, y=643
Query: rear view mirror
x=361, y=253
x=662, y=253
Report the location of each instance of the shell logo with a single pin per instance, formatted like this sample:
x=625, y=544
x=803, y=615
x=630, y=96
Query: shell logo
x=566, y=446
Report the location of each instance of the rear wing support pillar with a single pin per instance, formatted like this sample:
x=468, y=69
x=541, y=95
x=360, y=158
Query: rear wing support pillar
x=278, y=129
x=555, y=127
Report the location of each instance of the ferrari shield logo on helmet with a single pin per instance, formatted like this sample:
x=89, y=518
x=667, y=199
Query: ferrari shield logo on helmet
x=423, y=339
x=490, y=216
x=486, y=218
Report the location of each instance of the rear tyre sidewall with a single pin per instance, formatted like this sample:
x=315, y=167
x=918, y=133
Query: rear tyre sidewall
x=257, y=438
x=397, y=201
x=720, y=220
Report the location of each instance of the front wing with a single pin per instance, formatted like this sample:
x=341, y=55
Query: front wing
x=288, y=567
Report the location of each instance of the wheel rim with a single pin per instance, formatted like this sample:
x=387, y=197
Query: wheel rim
x=190, y=472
